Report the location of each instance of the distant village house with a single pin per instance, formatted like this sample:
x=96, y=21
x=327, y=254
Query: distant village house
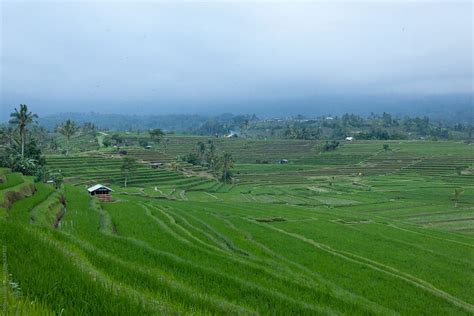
x=231, y=135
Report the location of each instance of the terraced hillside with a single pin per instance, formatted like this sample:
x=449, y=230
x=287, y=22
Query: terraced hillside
x=366, y=159
x=243, y=150
x=379, y=232
x=92, y=168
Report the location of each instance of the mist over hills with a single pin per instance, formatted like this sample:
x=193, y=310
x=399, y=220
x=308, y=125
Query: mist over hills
x=181, y=116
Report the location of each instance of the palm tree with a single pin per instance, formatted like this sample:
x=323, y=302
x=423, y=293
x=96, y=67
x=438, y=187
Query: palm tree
x=22, y=118
x=211, y=156
x=68, y=129
x=226, y=163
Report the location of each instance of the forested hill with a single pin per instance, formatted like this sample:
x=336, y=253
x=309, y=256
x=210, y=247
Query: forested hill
x=187, y=123
x=172, y=122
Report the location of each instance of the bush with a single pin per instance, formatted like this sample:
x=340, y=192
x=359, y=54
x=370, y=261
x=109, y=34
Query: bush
x=107, y=143
x=330, y=146
x=191, y=158
x=142, y=143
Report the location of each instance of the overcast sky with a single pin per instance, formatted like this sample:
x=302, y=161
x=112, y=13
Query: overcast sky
x=71, y=55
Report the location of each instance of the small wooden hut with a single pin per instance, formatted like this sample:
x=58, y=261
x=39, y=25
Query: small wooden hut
x=101, y=192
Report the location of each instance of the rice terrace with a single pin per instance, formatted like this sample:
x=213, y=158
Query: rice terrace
x=236, y=157
x=357, y=230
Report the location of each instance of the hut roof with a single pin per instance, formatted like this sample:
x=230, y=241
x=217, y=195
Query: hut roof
x=97, y=187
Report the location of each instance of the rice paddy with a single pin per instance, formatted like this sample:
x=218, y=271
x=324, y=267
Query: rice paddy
x=356, y=231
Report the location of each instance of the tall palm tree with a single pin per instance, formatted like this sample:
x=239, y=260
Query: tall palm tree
x=22, y=118
x=68, y=129
x=226, y=163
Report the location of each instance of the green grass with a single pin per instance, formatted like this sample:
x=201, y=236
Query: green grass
x=358, y=231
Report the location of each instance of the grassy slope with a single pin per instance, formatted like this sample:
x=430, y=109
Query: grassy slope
x=383, y=243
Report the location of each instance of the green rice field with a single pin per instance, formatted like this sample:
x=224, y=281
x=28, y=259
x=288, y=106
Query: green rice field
x=356, y=231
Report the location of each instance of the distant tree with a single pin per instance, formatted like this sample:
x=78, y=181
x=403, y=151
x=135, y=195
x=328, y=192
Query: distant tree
x=165, y=143
x=289, y=131
x=53, y=145
x=245, y=126
x=142, y=142
x=118, y=140
x=138, y=135
x=128, y=165
x=330, y=146
x=211, y=156
x=7, y=135
x=156, y=135
x=88, y=127
x=107, y=143
x=211, y=127
x=201, y=150
x=387, y=119
x=191, y=158
x=225, y=164
x=41, y=135
x=22, y=118
x=339, y=132
x=67, y=129
x=386, y=147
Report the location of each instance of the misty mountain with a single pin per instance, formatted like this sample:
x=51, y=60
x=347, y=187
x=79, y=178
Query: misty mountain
x=447, y=109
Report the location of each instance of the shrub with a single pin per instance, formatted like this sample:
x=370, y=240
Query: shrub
x=330, y=146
